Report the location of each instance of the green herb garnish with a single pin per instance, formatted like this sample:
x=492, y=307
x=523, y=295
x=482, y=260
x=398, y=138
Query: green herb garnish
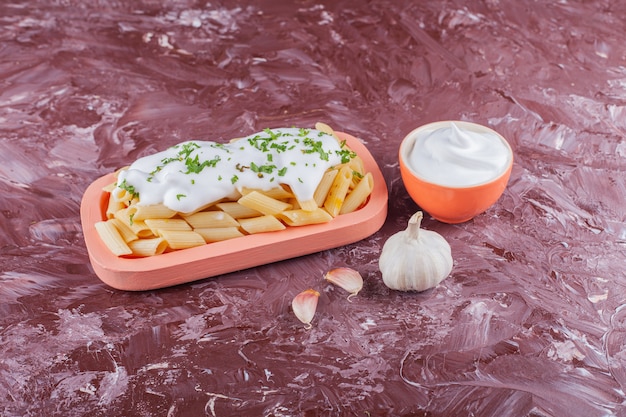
x=316, y=147
x=129, y=188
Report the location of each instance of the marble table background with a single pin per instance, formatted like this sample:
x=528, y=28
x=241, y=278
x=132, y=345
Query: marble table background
x=531, y=321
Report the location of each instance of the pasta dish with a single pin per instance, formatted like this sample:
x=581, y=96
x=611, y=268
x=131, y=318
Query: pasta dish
x=199, y=192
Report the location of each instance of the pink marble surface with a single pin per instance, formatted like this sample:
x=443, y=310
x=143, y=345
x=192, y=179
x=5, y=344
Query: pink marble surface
x=531, y=321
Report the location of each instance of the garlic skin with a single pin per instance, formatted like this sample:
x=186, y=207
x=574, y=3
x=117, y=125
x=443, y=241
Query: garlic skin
x=415, y=259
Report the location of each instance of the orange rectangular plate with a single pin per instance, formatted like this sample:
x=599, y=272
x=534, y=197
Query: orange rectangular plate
x=187, y=265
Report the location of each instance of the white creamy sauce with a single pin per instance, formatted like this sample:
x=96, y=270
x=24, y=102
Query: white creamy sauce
x=194, y=174
x=454, y=157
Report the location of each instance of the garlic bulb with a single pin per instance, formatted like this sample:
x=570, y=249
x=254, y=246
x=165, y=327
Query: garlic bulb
x=415, y=259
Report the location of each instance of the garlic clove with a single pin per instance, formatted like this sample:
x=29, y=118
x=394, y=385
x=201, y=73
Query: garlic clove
x=347, y=278
x=304, y=306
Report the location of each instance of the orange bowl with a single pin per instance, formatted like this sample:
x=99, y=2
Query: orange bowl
x=453, y=203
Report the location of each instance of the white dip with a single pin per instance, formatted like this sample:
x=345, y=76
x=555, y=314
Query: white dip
x=457, y=157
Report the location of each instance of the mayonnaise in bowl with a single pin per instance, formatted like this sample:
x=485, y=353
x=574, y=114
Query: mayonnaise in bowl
x=454, y=156
x=455, y=170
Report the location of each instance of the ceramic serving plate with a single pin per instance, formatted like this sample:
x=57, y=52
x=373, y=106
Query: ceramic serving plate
x=187, y=265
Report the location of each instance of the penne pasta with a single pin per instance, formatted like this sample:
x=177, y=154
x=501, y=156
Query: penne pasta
x=295, y=204
x=358, y=170
x=260, y=202
x=109, y=188
x=159, y=225
x=210, y=219
x=124, y=230
x=358, y=195
x=218, y=234
x=304, y=217
x=123, y=195
x=356, y=164
x=141, y=229
x=113, y=207
x=181, y=239
x=321, y=192
x=261, y=224
x=148, y=247
x=112, y=238
x=279, y=193
x=237, y=211
x=323, y=127
x=307, y=205
x=152, y=211
x=338, y=191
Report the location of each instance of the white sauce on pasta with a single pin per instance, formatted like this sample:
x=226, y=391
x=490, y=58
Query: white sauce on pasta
x=194, y=174
x=459, y=158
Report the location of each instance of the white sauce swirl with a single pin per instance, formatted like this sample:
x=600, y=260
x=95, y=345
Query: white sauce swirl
x=457, y=157
x=194, y=174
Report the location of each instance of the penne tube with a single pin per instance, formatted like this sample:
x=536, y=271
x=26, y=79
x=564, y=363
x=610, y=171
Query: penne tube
x=308, y=205
x=338, y=191
x=141, y=229
x=152, y=211
x=112, y=238
x=125, y=215
x=323, y=127
x=304, y=217
x=137, y=226
x=217, y=234
x=279, y=193
x=159, y=225
x=181, y=239
x=109, y=188
x=261, y=224
x=237, y=211
x=358, y=170
x=118, y=194
x=124, y=196
x=210, y=219
x=295, y=204
x=356, y=163
x=124, y=230
x=260, y=202
x=148, y=247
x=358, y=195
x=113, y=207
x=321, y=192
